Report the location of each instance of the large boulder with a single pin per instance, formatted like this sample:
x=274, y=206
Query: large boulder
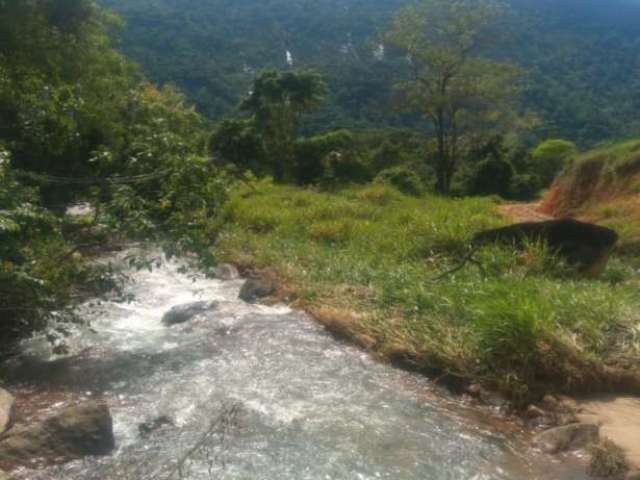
x=186, y=312
x=7, y=403
x=75, y=432
x=568, y=437
x=583, y=245
x=257, y=288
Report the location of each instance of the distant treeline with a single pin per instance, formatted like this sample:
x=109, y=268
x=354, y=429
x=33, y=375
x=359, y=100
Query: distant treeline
x=581, y=57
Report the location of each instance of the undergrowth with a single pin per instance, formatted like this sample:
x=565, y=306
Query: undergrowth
x=522, y=323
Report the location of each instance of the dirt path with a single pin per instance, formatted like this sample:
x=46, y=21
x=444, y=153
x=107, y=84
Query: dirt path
x=523, y=212
x=619, y=420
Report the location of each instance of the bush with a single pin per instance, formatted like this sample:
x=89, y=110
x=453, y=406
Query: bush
x=403, y=179
x=525, y=186
x=550, y=157
x=311, y=154
x=493, y=176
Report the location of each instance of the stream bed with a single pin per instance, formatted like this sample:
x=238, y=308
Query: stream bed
x=256, y=392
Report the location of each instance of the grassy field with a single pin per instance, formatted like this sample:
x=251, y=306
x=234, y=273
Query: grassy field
x=363, y=260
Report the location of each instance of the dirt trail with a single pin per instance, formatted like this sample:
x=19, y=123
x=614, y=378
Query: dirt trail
x=618, y=416
x=524, y=212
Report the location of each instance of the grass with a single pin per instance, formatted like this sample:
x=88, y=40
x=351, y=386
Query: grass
x=363, y=260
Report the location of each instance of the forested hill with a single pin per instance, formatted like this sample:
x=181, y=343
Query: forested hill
x=583, y=57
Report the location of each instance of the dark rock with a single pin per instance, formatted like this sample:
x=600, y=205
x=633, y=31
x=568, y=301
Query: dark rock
x=226, y=271
x=151, y=426
x=254, y=289
x=7, y=403
x=585, y=246
x=568, y=437
x=75, y=432
x=186, y=312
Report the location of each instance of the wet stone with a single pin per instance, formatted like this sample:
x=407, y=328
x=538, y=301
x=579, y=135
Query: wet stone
x=184, y=313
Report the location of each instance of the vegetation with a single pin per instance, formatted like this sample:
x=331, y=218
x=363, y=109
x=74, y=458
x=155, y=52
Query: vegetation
x=602, y=185
x=372, y=183
x=78, y=122
x=580, y=57
x=457, y=90
x=363, y=261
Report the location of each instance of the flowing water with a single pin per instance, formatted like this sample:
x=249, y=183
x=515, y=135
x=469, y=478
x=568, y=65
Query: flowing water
x=258, y=392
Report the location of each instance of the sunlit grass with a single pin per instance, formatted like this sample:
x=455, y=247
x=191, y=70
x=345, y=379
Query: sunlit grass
x=521, y=323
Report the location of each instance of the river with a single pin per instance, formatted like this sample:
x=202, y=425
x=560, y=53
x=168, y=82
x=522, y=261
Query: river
x=257, y=392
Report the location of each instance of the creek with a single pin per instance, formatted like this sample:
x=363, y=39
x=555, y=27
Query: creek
x=256, y=392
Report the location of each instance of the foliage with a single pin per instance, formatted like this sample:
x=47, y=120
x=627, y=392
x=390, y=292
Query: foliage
x=82, y=124
x=311, y=154
x=402, y=178
x=277, y=103
x=580, y=57
x=457, y=89
x=237, y=142
x=520, y=324
x=550, y=157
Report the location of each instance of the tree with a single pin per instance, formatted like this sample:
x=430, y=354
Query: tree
x=277, y=102
x=457, y=89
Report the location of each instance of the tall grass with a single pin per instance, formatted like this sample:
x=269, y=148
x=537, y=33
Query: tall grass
x=521, y=323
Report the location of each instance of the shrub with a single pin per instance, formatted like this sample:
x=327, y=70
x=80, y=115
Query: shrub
x=525, y=186
x=492, y=176
x=550, y=157
x=405, y=180
x=311, y=152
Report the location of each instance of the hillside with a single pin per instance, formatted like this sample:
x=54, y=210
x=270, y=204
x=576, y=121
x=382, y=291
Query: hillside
x=602, y=185
x=581, y=57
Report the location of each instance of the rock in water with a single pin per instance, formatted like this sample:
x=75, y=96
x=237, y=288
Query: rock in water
x=568, y=437
x=256, y=288
x=7, y=403
x=75, y=432
x=226, y=271
x=583, y=245
x=186, y=312
x=151, y=426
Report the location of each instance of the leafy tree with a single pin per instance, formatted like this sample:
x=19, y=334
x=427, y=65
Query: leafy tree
x=311, y=154
x=237, y=142
x=550, y=157
x=455, y=87
x=277, y=102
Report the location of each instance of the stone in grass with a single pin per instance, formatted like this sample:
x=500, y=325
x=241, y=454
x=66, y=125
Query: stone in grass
x=184, y=313
x=568, y=437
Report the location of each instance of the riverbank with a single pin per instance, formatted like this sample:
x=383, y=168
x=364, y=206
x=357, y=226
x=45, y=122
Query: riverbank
x=362, y=261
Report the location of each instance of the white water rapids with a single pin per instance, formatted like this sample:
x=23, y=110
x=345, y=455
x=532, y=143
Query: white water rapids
x=291, y=402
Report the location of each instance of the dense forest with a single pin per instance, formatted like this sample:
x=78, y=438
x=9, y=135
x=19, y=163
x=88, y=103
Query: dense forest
x=581, y=57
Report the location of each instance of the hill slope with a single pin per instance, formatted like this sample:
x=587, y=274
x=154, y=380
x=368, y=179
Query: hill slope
x=582, y=55
x=602, y=185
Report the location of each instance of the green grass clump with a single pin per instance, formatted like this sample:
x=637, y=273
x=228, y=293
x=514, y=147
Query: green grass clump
x=521, y=323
